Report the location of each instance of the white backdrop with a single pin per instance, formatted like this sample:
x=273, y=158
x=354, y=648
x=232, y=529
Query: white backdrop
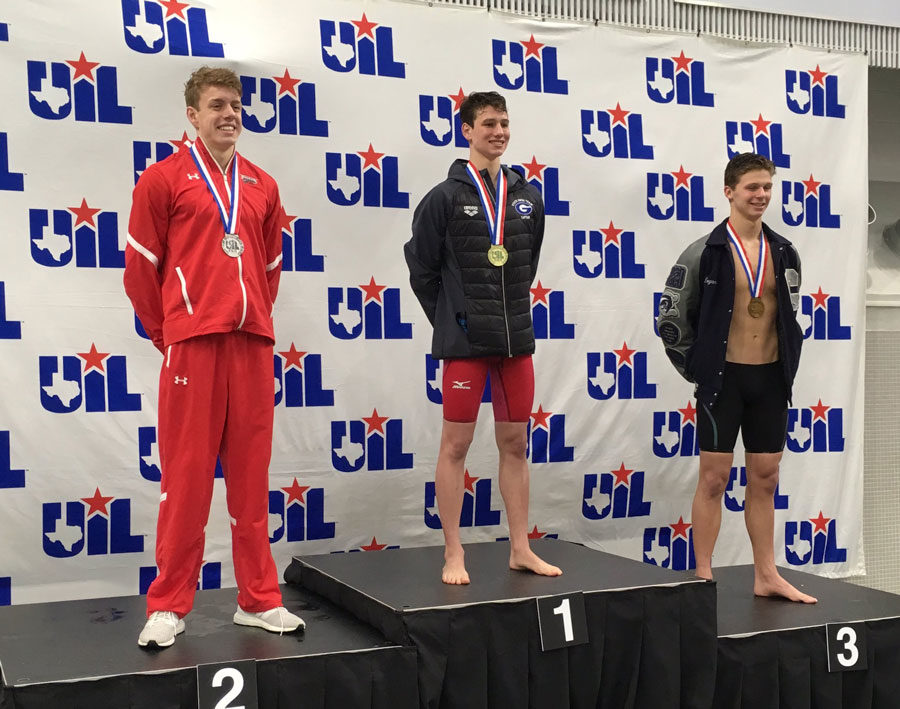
x=609, y=123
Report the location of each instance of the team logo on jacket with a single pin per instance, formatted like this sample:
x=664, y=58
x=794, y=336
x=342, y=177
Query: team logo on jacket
x=183, y=29
x=670, y=546
x=366, y=175
x=680, y=79
x=609, y=252
x=298, y=379
x=808, y=203
x=282, y=102
x=677, y=194
x=97, y=524
x=360, y=45
x=531, y=65
x=297, y=514
x=9, y=329
x=297, y=250
x=615, y=132
x=736, y=491
x=147, y=152
x=97, y=380
x=756, y=136
x=439, y=121
x=813, y=92
x=9, y=180
x=818, y=428
x=148, y=456
x=88, y=90
x=547, y=438
x=210, y=577
x=820, y=317
x=548, y=314
x=375, y=442
x=477, y=505
x=813, y=540
x=617, y=494
x=618, y=373
x=9, y=477
x=369, y=310
x=546, y=181
x=5, y=590
x=89, y=234
x=675, y=433
x=434, y=378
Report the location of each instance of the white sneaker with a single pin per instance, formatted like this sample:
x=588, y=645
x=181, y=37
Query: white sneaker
x=161, y=629
x=275, y=620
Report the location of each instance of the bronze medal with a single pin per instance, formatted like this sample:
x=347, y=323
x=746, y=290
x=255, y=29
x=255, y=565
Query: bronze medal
x=497, y=255
x=756, y=307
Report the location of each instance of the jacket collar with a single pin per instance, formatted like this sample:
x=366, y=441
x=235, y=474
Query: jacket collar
x=458, y=172
x=719, y=235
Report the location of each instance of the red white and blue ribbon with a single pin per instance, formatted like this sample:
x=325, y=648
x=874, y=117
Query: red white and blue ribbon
x=495, y=215
x=229, y=216
x=757, y=283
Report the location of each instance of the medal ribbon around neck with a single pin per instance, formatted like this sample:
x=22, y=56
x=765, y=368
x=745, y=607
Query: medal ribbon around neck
x=755, y=286
x=229, y=217
x=495, y=215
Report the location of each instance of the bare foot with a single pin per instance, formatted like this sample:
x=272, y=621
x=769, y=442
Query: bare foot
x=529, y=561
x=704, y=574
x=779, y=587
x=454, y=569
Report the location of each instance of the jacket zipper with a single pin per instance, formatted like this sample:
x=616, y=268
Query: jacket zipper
x=505, y=317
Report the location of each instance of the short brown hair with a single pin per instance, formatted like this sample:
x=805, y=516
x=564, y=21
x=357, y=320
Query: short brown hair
x=743, y=163
x=209, y=76
x=478, y=100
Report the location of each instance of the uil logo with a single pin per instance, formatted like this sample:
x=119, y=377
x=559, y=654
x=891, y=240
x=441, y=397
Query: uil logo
x=680, y=79
x=146, y=152
x=4, y=37
x=821, y=317
x=547, y=438
x=375, y=315
x=817, y=428
x=439, y=122
x=374, y=545
x=298, y=379
x=616, y=132
x=9, y=180
x=618, y=373
x=546, y=181
x=361, y=45
x=89, y=234
x=677, y=194
x=675, y=433
x=148, y=456
x=210, y=577
x=813, y=541
x=283, y=102
x=368, y=175
x=297, y=514
x=671, y=546
x=183, y=30
x=736, y=491
x=531, y=64
x=9, y=329
x=100, y=524
x=374, y=441
x=813, y=92
x=477, y=510
x=759, y=136
x=297, y=252
x=55, y=88
x=548, y=314
x=434, y=377
x=103, y=386
x=5, y=581
x=609, y=252
x=808, y=202
x=618, y=494
x=9, y=477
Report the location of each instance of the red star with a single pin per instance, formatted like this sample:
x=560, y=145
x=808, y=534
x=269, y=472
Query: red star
x=541, y=418
x=689, y=413
x=373, y=290
x=812, y=187
x=97, y=503
x=458, y=98
x=174, y=8
x=680, y=528
x=292, y=358
x=682, y=63
x=681, y=177
x=84, y=214
x=534, y=168
x=539, y=294
x=532, y=47
x=618, y=114
x=821, y=523
x=819, y=298
x=371, y=158
x=287, y=221
x=624, y=354
x=761, y=126
x=373, y=545
x=93, y=358
x=296, y=492
x=470, y=482
x=182, y=143
x=819, y=410
x=364, y=27
x=535, y=534
x=621, y=474
x=818, y=76
x=82, y=67
x=611, y=234
x=286, y=84
x=375, y=422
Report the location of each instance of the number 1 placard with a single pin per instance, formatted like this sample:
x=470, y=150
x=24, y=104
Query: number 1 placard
x=562, y=621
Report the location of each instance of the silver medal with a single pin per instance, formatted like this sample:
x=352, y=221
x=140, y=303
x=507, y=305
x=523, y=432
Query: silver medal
x=232, y=245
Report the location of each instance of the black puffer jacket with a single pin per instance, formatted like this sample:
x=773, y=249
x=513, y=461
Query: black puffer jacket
x=476, y=309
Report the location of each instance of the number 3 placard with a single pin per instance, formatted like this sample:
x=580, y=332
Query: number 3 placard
x=846, y=646
x=562, y=621
x=227, y=685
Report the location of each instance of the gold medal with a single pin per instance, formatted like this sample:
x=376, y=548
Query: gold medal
x=497, y=255
x=756, y=308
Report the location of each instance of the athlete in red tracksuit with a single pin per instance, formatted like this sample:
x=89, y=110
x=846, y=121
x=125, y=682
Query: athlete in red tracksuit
x=202, y=267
